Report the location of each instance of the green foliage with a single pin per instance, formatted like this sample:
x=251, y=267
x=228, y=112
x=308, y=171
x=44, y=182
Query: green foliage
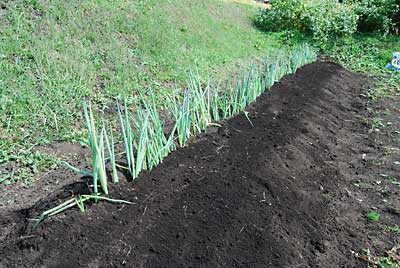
x=368, y=53
x=374, y=216
x=284, y=15
x=97, y=147
x=26, y=159
x=387, y=262
x=146, y=144
x=393, y=229
x=96, y=139
x=377, y=15
x=323, y=19
x=327, y=19
x=111, y=152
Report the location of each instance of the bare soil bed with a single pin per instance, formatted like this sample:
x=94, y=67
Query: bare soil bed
x=279, y=194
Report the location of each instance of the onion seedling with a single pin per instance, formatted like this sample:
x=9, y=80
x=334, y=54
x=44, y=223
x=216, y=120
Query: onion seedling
x=111, y=152
x=78, y=201
x=97, y=151
x=128, y=137
x=181, y=113
x=215, y=110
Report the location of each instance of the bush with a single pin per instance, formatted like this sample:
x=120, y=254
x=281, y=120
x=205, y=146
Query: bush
x=323, y=19
x=330, y=18
x=378, y=15
x=326, y=19
x=283, y=15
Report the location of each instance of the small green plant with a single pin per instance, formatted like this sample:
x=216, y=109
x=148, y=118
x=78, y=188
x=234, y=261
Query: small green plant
x=374, y=216
x=200, y=108
x=393, y=229
x=76, y=201
x=96, y=142
x=128, y=136
x=144, y=137
x=111, y=152
x=134, y=141
x=377, y=123
x=28, y=162
x=246, y=114
x=389, y=261
x=181, y=112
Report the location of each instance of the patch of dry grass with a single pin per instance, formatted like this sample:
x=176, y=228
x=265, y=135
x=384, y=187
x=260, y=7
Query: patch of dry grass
x=250, y=2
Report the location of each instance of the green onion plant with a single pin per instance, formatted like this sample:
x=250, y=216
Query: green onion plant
x=146, y=142
x=111, y=152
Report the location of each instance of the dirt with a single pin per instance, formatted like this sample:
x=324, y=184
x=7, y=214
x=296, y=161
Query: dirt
x=22, y=196
x=292, y=191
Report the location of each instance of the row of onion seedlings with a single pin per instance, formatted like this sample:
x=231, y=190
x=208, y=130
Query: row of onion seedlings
x=146, y=142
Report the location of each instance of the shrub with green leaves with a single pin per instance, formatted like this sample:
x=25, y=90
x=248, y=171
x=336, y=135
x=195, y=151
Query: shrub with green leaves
x=284, y=15
x=326, y=19
x=322, y=19
x=330, y=18
x=377, y=15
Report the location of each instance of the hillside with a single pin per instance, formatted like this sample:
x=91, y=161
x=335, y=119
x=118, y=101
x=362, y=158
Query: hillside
x=53, y=54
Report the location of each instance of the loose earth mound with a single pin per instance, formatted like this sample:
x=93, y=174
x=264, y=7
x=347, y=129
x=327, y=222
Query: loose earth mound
x=264, y=192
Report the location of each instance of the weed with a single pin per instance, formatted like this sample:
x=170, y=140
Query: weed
x=393, y=229
x=389, y=261
x=377, y=123
x=374, y=216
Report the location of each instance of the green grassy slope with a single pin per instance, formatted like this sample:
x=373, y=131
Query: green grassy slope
x=55, y=53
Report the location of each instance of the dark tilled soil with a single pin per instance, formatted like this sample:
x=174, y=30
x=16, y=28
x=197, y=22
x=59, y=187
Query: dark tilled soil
x=279, y=194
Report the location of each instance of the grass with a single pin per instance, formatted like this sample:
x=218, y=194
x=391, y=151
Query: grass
x=55, y=53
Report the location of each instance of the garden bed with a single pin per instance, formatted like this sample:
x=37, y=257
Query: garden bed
x=274, y=191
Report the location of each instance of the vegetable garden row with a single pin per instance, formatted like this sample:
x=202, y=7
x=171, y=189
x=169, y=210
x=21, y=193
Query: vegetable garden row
x=146, y=140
